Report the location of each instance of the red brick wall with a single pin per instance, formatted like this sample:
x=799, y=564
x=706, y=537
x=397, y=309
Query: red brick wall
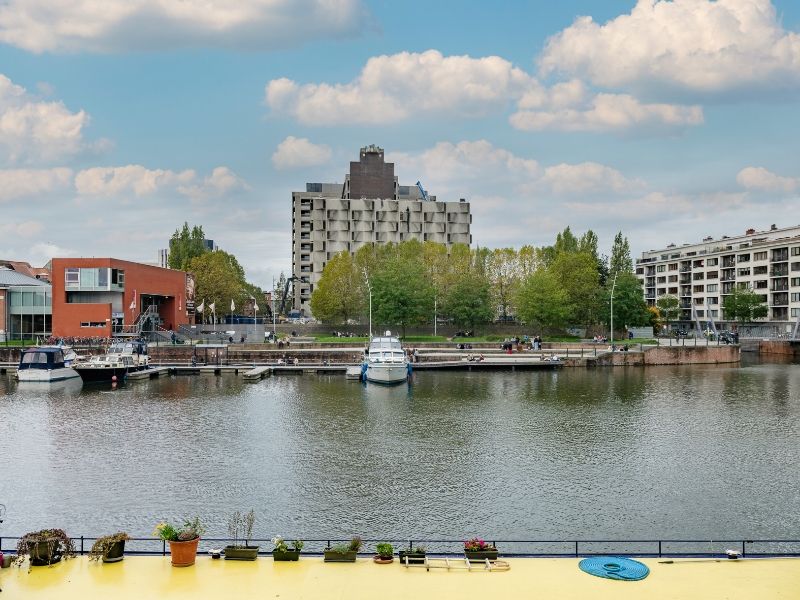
x=139, y=278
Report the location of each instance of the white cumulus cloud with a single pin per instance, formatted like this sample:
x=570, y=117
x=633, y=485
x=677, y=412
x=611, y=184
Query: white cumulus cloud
x=35, y=131
x=221, y=182
x=695, y=45
x=123, y=25
x=394, y=88
x=587, y=178
x=20, y=183
x=571, y=106
x=759, y=178
x=296, y=152
x=141, y=181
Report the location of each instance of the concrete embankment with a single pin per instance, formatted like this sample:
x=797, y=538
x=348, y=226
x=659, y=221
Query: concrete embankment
x=790, y=348
x=670, y=355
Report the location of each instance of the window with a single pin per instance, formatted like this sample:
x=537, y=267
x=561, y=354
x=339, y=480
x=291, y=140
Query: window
x=795, y=280
x=673, y=266
x=796, y=266
x=743, y=258
x=762, y=270
x=697, y=276
x=760, y=256
x=92, y=324
x=761, y=285
x=712, y=287
x=712, y=275
x=713, y=300
x=743, y=272
x=796, y=297
x=698, y=289
x=796, y=251
x=72, y=277
x=714, y=313
x=796, y=312
x=661, y=268
x=673, y=279
x=712, y=262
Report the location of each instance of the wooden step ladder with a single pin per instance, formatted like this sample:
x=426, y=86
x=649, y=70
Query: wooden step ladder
x=459, y=564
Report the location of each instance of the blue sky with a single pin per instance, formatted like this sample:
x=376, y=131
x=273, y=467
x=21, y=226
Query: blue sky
x=669, y=121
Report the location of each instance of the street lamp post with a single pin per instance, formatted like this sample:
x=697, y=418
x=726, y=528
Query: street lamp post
x=369, y=289
x=613, y=285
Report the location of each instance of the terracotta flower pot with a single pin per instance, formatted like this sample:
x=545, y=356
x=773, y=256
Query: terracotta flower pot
x=183, y=553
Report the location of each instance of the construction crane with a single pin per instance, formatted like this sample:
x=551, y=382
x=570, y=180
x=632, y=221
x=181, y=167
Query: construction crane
x=422, y=191
x=286, y=292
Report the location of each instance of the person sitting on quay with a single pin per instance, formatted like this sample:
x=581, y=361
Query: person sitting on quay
x=296, y=362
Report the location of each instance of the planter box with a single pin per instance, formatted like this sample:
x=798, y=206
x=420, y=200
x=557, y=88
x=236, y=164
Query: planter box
x=481, y=555
x=241, y=552
x=115, y=553
x=414, y=558
x=287, y=555
x=39, y=553
x=333, y=556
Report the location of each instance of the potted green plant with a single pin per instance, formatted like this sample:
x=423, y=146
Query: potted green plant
x=109, y=548
x=385, y=553
x=477, y=549
x=240, y=528
x=45, y=547
x=282, y=550
x=412, y=556
x=183, y=541
x=343, y=552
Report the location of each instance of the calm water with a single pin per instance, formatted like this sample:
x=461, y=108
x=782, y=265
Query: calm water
x=706, y=452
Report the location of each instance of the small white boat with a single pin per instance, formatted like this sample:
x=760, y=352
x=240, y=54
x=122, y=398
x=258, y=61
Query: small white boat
x=386, y=361
x=44, y=364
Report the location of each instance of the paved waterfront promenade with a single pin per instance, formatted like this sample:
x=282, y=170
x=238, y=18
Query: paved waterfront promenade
x=153, y=577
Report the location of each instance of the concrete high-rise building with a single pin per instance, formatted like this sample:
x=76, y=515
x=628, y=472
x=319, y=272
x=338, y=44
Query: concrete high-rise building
x=370, y=207
x=702, y=274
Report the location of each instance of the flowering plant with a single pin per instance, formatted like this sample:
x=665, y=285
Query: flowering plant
x=282, y=546
x=192, y=529
x=477, y=545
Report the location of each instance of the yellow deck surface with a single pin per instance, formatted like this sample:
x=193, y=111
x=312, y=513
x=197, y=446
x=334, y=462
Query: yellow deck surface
x=139, y=577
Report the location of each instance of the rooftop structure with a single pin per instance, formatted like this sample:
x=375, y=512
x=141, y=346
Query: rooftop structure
x=370, y=207
x=703, y=273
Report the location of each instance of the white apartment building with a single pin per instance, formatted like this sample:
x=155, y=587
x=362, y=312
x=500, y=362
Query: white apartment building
x=701, y=275
x=370, y=207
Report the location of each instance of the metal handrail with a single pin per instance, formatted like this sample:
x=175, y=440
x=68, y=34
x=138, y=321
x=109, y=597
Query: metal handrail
x=572, y=548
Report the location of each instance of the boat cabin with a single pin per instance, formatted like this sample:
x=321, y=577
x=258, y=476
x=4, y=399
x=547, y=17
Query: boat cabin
x=42, y=358
x=386, y=349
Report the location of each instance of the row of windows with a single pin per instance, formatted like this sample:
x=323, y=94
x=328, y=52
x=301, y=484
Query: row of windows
x=39, y=298
x=93, y=324
x=93, y=278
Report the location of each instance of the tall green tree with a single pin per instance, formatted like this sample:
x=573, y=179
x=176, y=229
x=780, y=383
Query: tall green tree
x=402, y=294
x=503, y=270
x=630, y=309
x=744, y=306
x=467, y=302
x=220, y=279
x=578, y=276
x=339, y=294
x=542, y=300
x=621, y=261
x=185, y=245
x=669, y=307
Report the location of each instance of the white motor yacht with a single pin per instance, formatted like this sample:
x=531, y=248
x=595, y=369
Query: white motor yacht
x=44, y=364
x=386, y=361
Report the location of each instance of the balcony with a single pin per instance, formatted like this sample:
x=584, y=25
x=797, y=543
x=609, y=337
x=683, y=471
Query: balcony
x=780, y=255
x=782, y=271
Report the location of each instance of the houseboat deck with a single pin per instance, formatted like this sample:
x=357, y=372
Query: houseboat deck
x=153, y=577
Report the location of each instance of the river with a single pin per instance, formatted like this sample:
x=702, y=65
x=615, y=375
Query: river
x=702, y=452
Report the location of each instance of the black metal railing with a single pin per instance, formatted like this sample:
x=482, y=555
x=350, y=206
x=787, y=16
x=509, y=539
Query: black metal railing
x=521, y=548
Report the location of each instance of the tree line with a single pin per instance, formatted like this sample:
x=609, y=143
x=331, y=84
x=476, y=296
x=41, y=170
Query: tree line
x=551, y=287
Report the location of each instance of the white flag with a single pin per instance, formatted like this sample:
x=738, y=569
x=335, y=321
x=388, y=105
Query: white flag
x=133, y=304
x=212, y=307
x=201, y=307
x=233, y=306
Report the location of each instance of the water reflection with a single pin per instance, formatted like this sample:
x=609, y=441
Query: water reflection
x=706, y=451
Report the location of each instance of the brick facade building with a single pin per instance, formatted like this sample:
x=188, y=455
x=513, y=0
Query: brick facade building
x=103, y=297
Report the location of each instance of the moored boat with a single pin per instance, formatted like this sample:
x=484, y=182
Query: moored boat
x=386, y=361
x=120, y=359
x=44, y=364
